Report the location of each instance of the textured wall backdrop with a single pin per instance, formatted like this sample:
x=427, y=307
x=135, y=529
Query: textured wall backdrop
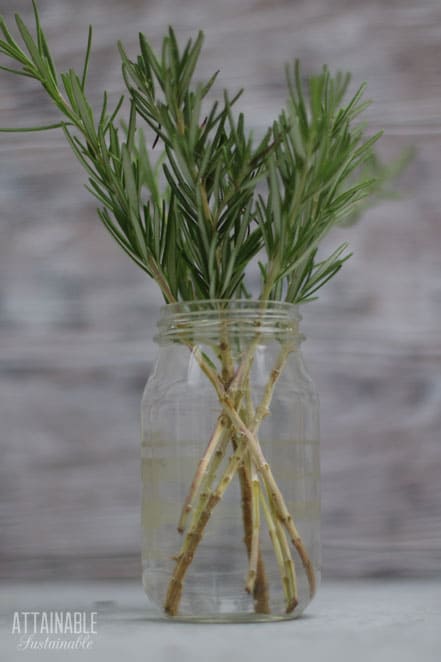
x=77, y=319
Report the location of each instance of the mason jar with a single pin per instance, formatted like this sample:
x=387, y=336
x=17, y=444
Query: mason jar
x=230, y=464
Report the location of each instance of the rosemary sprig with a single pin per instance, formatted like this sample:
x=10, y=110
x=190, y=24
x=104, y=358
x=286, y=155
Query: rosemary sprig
x=195, y=217
x=309, y=188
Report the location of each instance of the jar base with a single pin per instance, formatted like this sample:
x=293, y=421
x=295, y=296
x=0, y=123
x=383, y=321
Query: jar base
x=233, y=618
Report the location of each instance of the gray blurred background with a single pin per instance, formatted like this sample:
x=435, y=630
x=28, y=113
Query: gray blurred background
x=77, y=319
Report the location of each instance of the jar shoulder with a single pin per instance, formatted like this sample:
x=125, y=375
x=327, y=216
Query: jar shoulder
x=176, y=372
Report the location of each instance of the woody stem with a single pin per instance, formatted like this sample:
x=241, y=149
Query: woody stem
x=248, y=442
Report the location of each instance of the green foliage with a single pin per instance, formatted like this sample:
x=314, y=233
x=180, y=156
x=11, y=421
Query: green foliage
x=196, y=216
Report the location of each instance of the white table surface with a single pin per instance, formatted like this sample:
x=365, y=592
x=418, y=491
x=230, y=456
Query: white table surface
x=347, y=622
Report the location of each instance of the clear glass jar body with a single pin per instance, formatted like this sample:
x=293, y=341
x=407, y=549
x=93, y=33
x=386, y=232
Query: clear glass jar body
x=230, y=456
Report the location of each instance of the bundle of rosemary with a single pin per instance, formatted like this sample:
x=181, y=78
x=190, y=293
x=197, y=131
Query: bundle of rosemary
x=199, y=206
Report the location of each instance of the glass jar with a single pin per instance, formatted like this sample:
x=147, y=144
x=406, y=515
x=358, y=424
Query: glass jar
x=230, y=464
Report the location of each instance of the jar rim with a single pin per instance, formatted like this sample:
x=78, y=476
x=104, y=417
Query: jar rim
x=202, y=305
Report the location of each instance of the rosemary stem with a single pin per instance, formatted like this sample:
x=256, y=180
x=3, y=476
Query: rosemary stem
x=219, y=431
x=260, y=589
x=274, y=537
x=290, y=575
x=272, y=489
x=277, y=534
x=218, y=435
x=257, y=585
x=254, y=547
x=247, y=441
x=255, y=512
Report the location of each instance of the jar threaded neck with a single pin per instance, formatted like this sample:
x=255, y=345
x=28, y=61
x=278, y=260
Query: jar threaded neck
x=208, y=320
